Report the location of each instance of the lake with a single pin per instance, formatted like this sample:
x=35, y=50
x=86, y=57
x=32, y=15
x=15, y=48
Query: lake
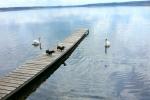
x=90, y=74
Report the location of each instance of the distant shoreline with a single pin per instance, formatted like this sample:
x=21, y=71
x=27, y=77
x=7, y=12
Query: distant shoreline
x=115, y=4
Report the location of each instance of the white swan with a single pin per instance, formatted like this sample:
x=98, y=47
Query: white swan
x=36, y=42
x=107, y=43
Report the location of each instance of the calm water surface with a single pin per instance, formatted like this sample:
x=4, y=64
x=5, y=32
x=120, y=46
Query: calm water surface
x=121, y=74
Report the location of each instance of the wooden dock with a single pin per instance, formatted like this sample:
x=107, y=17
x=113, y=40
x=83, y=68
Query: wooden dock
x=23, y=75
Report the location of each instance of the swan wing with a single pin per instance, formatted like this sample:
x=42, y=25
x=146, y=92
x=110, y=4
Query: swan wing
x=36, y=41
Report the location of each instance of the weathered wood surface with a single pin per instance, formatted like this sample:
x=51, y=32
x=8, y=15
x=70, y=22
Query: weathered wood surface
x=22, y=75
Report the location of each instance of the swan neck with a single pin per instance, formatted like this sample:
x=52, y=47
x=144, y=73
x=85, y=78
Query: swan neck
x=39, y=39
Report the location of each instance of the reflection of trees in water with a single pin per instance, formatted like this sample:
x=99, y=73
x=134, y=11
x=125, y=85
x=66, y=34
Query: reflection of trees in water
x=131, y=85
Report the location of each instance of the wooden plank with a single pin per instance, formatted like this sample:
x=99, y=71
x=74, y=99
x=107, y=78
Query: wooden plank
x=37, y=63
x=19, y=74
x=48, y=57
x=15, y=79
x=2, y=95
x=40, y=60
x=39, y=67
x=27, y=70
x=24, y=73
x=8, y=84
x=4, y=92
x=33, y=65
x=7, y=88
x=32, y=68
x=44, y=61
x=18, y=77
x=45, y=57
x=12, y=81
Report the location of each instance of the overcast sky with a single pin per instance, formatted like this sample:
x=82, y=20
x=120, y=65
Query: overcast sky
x=8, y=3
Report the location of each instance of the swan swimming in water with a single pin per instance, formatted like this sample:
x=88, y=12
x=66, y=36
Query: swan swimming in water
x=107, y=43
x=36, y=42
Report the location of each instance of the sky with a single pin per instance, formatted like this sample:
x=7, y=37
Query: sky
x=14, y=3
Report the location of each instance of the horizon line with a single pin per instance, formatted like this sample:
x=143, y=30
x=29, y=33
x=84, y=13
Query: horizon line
x=127, y=3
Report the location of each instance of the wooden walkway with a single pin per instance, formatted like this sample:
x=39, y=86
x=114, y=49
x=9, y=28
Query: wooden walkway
x=21, y=76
